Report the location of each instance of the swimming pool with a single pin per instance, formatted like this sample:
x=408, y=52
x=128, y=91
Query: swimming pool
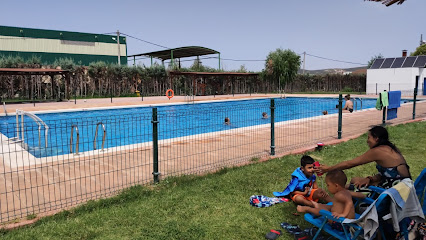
x=126, y=126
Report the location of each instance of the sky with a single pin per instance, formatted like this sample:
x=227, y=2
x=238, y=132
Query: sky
x=343, y=30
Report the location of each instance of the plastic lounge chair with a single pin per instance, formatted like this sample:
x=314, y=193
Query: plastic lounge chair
x=420, y=186
x=383, y=210
x=322, y=223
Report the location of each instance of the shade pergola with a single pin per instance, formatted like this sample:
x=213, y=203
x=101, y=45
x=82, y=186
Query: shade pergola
x=178, y=53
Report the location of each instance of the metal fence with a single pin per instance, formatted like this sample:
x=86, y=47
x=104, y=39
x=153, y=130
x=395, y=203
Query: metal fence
x=83, y=162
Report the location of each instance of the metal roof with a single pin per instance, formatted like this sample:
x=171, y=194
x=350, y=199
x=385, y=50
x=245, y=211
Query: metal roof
x=182, y=52
x=400, y=62
x=31, y=71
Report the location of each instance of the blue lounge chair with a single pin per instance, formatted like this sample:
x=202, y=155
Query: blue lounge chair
x=322, y=223
x=420, y=186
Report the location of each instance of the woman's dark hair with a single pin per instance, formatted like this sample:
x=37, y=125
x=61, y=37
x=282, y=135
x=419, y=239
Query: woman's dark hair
x=382, y=136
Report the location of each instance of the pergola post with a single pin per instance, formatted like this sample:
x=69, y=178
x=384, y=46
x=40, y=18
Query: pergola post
x=219, y=60
x=171, y=59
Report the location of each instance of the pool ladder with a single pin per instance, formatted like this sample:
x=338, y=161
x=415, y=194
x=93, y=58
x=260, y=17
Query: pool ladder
x=71, y=139
x=96, y=135
x=356, y=103
x=20, y=129
x=94, y=140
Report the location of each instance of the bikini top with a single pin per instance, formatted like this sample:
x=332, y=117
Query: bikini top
x=391, y=172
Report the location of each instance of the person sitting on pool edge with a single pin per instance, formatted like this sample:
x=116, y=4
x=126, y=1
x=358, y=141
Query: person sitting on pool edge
x=343, y=205
x=264, y=115
x=349, y=105
x=227, y=121
x=303, y=189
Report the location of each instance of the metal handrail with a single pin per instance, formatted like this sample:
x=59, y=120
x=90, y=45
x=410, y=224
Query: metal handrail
x=4, y=107
x=78, y=138
x=36, y=119
x=96, y=135
x=356, y=103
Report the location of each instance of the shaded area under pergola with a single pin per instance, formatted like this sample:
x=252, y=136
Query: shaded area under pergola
x=178, y=53
x=218, y=80
x=37, y=72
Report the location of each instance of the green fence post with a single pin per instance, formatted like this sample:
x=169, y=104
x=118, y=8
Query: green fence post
x=415, y=97
x=339, y=125
x=272, y=127
x=155, y=143
x=384, y=116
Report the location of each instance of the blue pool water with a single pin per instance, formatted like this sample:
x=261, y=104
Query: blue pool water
x=126, y=126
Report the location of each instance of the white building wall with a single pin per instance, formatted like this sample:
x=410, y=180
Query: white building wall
x=402, y=79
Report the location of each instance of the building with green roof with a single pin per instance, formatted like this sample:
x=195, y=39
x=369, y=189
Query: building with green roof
x=50, y=45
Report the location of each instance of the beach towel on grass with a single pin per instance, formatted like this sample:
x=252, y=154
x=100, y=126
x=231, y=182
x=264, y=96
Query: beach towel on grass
x=261, y=201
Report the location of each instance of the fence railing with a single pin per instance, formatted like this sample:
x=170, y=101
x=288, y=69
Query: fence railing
x=146, y=145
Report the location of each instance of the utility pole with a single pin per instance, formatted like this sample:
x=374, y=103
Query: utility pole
x=304, y=58
x=118, y=44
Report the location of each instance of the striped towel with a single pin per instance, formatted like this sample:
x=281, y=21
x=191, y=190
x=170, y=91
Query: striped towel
x=261, y=201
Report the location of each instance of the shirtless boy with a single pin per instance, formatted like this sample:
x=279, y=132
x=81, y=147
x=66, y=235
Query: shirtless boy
x=342, y=200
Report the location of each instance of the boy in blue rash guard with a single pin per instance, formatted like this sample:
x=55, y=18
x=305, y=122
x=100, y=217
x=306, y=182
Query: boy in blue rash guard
x=303, y=188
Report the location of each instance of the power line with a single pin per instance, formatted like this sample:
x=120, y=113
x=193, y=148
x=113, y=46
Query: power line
x=335, y=60
x=145, y=41
x=241, y=60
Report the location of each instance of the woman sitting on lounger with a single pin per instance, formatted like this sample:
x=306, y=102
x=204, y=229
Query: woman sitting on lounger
x=390, y=163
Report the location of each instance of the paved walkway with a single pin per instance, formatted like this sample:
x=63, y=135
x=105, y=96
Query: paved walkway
x=54, y=183
x=137, y=101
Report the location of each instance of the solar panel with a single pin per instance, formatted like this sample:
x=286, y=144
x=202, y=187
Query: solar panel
x=388, y=63
x=377, y=63
x=421, y=62
x=409, y=62
x=398, y=62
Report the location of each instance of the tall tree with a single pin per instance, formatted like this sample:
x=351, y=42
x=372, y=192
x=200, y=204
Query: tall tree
x=282, y=65
x=421, y=50
x=373, y=59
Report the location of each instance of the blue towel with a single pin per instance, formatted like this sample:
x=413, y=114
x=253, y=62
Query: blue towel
x=394, y=99
x=392, y=113
x=298, y=183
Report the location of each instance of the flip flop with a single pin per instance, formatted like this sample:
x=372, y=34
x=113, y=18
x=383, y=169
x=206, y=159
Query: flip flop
x=293, y=229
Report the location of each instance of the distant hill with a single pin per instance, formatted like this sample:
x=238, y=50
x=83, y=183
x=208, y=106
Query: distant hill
x=356, y=70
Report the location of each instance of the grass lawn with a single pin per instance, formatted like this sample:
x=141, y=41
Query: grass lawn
x=214, y=206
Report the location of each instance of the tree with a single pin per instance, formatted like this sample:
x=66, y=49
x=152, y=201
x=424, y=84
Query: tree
x=373, y=59
x=421, y=50
x=388, y=2
x=282, y=65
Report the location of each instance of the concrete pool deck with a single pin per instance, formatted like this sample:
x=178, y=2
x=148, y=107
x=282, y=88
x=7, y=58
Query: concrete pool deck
x=137, y=101
x=48, y=186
